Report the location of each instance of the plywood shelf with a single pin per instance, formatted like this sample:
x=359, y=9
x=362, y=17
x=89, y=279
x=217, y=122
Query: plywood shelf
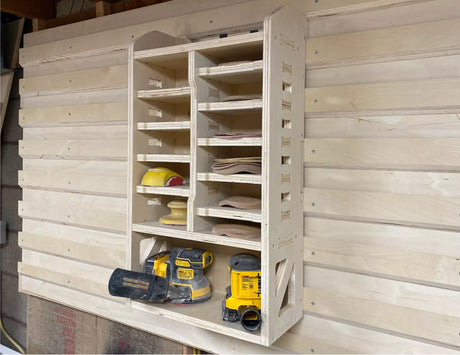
x=207, y=315
x=231, y=106
x=225, y=47
x=182, y=190
x=230, y=142
x=174, y=95
x=236, y=178
x=234, y=74
x=230, y=213
x=163, y=126
x=180, y=232
x=164, y=158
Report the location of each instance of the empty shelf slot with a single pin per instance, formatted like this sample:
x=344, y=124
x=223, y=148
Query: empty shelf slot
x=230, y=106
x=182, y=190
x=170, y=158
x=180, y=232
x=237, y=178
x=163, y=126
x=230, y=142
x=230, y=213
x=234, y=74
x=166, y=95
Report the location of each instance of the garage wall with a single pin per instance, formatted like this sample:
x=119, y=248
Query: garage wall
x=381, y=180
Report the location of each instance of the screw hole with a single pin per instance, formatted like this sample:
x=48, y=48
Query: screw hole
x=316, y=52
x=312, y=253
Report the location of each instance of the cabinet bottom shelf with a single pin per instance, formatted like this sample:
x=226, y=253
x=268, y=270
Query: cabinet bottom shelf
x=180, y=232
x=207, y=315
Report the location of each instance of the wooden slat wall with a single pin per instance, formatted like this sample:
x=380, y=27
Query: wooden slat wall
x=381, y=171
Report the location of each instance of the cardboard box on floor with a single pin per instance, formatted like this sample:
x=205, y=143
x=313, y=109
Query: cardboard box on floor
x=53, y=328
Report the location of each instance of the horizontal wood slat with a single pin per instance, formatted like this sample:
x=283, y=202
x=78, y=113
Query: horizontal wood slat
x=92, y=79
x=74, y=115
x=80, y=98
x=96, y=247
x=414, y=210
x=415, y=69
x=74, y=209
x=441, y=154
x=377, y=260
x=82, y=276
x=396, y=126
x=99, y=184
x=417, y=95
x=74, y=149
x=416, y=240
x=438, y=37
x=402, y=182
x=431, y=326
x=107, y=132
x=110, y=255
x=384, y=17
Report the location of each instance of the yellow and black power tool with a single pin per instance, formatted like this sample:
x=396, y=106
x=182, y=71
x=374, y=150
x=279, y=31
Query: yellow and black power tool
x=175, y=276
x=242, y=301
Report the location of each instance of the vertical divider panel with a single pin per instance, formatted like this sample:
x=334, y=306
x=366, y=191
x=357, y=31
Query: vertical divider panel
x=282, y=172
x=199, y=193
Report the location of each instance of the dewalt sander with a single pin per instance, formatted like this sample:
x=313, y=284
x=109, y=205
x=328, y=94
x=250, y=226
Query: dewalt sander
x=242, y=301
x=175, y=276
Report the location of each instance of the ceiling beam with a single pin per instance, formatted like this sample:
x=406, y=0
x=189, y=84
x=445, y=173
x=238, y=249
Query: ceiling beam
x=41, y=9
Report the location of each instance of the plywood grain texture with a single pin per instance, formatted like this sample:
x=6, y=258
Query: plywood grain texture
x=383, y=177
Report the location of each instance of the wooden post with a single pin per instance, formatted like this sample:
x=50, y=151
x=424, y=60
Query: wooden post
x=38, y=24
x=103, y=8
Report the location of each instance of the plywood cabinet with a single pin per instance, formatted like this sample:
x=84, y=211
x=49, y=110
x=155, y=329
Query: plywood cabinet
x=183, y=98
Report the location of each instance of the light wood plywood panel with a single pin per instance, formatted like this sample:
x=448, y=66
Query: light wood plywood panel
x=74, y=149
x=415, y=240
x=54, y=179
x=90, y=211
x=113, y=168
x=440, y=95
x=80, y=98
x=384, y=17
x=86, y=245
x=327, y=336
x=415, y=210
x=75, y=115
x=431, y=326
x=439, y=37
x=395, y=126
x=76, y=132
x=389, y=153
x=74, y=274
x=108, y=59
x=401, y=70
x=93, y=79
x=405, y=294
x=438, y=270
x=399, y=182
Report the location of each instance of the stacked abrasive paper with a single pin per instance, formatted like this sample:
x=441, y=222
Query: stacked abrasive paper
x=236, y=135
x=250, y=165
x=242, y=231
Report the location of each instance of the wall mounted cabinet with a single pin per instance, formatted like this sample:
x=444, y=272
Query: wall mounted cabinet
x=184, y=99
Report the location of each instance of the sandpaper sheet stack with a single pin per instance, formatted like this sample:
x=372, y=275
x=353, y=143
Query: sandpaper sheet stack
x=231, y=135
x=241, y=231
x=249, y=165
